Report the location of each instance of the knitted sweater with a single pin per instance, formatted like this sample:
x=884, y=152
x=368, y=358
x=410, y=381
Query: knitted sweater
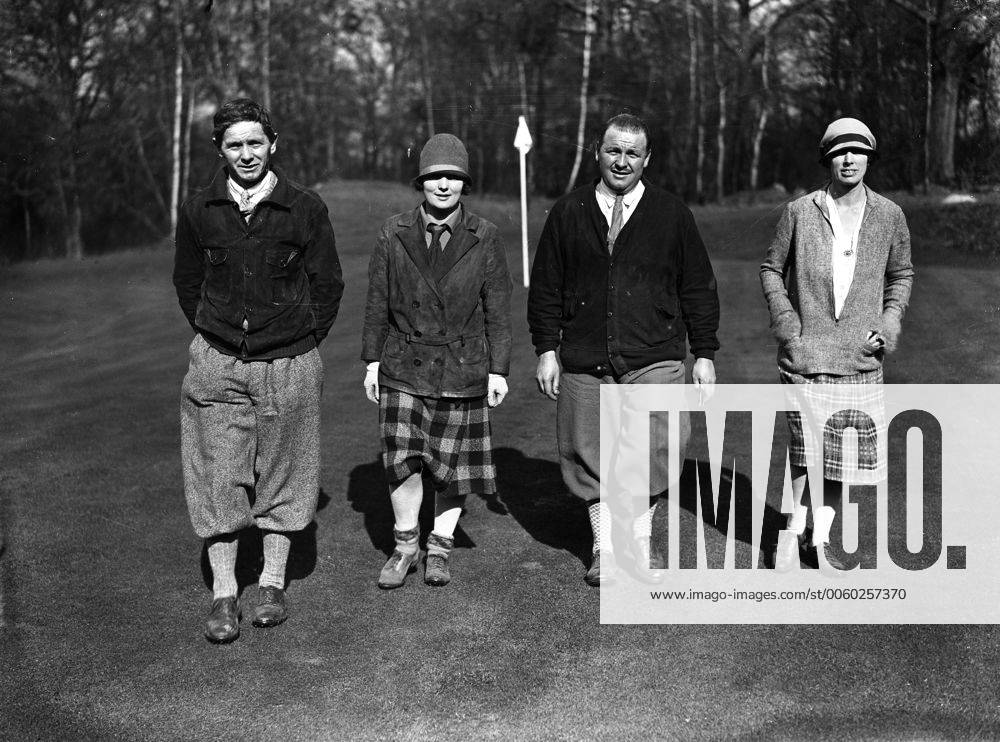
x=797, y=278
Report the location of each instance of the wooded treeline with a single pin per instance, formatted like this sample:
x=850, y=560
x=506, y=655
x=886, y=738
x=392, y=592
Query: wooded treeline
x=108, y=103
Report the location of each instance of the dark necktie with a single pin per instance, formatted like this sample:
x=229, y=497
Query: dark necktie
x=434, y=249
x=616, y=222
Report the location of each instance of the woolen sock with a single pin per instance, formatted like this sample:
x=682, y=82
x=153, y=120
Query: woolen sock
x=406, y=539
x=222, y=558
x=276, y=547
x=600, y=524
x=439, y=544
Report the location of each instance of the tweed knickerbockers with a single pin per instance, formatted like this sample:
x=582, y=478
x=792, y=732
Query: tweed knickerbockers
x=250, y=441
x=834, y=404
x=449, y=437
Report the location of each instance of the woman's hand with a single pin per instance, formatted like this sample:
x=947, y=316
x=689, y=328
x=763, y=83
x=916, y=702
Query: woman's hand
x=371, y=382
x=496, y=390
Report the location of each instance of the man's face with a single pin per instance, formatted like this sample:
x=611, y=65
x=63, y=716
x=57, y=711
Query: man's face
x=848, y=168
x=247, y=152
x=622, y=157
x=442, y=194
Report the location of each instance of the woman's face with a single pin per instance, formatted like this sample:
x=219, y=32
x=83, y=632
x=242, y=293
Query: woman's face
x=442, y=194
x=848, y=168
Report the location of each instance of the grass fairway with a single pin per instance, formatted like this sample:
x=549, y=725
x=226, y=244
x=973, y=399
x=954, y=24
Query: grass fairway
x=103, y=593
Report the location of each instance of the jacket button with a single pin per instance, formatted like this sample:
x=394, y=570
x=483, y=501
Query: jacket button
x=611, y=314
x=417, y=361
x=417, y=334
x=415, y=304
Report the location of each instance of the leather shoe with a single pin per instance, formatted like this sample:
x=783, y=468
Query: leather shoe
x=436, y=571
x=396, y=568
x=223, y=624
x=649, y=566
x=829, y=564
x=270, y=609
x=602, y=569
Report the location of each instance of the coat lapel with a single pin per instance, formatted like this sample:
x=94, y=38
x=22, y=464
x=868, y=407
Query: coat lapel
x=463, y=240
x=411, y=236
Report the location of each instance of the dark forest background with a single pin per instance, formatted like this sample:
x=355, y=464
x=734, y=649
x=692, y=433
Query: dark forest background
x=107, y=104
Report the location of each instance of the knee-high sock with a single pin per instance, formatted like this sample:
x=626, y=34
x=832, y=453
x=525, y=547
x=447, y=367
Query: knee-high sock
x=797, y=520
x=222, y=558
x=406, y=499
x=276, y=547
x=600, y=524
x=447, y=511
x=642, y=526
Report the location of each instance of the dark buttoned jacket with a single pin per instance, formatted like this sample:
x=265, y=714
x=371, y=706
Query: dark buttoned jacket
x=261, y=290
x=609, y=313
x=438, y=330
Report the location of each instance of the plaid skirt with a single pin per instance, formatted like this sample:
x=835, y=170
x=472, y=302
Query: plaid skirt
x=834, y=404
x=449, y=438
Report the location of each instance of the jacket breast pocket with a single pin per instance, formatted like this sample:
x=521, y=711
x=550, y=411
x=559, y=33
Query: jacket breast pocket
x=284, y=274
x=218, y=274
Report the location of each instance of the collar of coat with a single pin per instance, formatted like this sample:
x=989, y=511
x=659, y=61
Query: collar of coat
x=282, y=195
x=873, y=201
x=411, y=235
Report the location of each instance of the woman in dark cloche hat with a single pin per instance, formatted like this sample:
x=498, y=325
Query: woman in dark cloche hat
x=437, y=347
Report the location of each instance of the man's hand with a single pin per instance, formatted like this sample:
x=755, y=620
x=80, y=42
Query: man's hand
x=371, y=382
x=496, y=390
x=547, y=374
x=703, y=374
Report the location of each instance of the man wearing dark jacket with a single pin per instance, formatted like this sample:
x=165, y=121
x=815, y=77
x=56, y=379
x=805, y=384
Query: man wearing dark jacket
x=258, y=277
x=621, y=283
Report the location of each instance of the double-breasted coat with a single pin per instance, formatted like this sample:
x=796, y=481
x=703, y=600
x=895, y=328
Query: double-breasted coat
x=438, y=330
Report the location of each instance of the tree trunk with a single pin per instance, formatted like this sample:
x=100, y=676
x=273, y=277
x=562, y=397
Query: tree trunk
x=175, y=176
x=720, y=137
x=186, y=143
x=427, y=81
x=944, y=114
x=581, y=126
x=265, y=53
x=765, y=107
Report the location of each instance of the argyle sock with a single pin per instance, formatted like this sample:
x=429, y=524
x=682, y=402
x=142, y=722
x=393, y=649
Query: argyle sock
x=222, y=558
x=600, y=524
x=642, y=526
x=276, y=547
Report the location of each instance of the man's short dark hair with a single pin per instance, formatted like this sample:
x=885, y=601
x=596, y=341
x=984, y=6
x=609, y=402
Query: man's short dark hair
x=626, y=122
x=241, y=109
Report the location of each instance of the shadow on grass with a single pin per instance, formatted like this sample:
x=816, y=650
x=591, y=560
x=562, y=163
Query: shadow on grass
x=368, y=493
x=530, y=490
x=696, y=475
x=250, y=553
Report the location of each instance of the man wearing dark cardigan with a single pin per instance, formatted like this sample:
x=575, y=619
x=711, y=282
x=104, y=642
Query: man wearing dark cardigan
x=620, y=285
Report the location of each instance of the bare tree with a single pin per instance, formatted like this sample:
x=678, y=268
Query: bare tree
x=581, y=127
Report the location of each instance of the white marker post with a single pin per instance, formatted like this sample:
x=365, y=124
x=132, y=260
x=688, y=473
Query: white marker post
x=522, y=140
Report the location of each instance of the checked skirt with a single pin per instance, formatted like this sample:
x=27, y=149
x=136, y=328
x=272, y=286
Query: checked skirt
x=835, y=404
x=448, y=437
